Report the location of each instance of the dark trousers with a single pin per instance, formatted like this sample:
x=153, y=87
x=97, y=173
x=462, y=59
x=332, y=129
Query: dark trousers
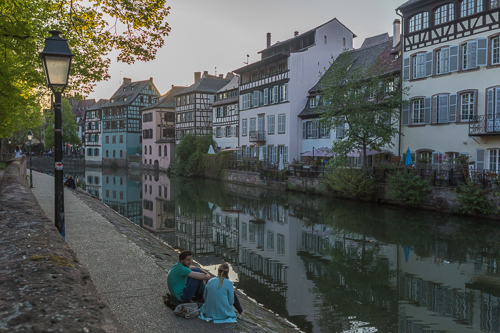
x=237, y=304
x=193, y=287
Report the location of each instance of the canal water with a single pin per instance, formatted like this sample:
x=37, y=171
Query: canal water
x=328, y=265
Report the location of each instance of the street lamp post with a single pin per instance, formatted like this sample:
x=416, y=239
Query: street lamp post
x=56, y=59
x=30, y=137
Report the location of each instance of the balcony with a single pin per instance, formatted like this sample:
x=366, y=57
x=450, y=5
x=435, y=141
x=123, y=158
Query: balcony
x=484, y=126
x=257, y=136
x=268, y=79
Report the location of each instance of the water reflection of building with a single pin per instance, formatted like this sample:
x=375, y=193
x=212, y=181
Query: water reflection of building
x=158, y=207
x=93, y=182
x=121, y=190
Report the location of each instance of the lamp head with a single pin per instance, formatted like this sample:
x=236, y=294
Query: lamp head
x=56, y=59
x=30, y=135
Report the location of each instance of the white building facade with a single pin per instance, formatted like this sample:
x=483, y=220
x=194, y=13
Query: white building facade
x=226, y=116
x=93, y=134
x=451, y=61
x=274, y=90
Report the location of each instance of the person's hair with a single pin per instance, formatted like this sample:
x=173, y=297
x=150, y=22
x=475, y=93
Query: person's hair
x=17, y=148
x=223, y=272
x=184, y=254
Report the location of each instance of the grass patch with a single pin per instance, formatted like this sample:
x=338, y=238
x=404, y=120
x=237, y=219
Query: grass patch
x=2, y=165
x=59, y=261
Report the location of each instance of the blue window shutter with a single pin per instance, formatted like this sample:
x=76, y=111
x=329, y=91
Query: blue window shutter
x=406, y=69
x=480, y=159
x=405, y=114
x=452, y=110
x=427, y=110
x=304, y=129
x=482, y=51
x=454, y=58
x=428, y=63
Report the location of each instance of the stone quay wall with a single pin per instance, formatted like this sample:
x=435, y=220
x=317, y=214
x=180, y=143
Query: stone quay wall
x=43, y=287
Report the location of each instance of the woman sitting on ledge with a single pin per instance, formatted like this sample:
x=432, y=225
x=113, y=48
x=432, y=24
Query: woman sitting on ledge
x=220, y=298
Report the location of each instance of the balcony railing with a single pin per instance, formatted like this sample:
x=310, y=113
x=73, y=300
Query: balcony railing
x=270, y=78
x=484, y=125
x=257, y=136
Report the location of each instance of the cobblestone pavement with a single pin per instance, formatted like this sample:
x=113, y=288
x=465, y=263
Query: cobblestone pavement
x=129, y=266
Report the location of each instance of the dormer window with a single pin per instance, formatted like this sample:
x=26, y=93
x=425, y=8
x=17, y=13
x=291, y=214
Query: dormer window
x=470, y=7
x=125, y=99
x=124, y=89
x=112, y=100
x=419, y=21
x=444, y=14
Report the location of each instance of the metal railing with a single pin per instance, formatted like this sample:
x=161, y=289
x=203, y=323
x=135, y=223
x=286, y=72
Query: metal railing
x=484, y=125
x=257, y=136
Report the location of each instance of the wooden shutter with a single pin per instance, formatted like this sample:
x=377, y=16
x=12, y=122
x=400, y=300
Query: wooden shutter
x=472, y=54
x=315, y=130
x=452, y=110
x=266, y=96
x=435, y=103
x=480, y=159
x=286, y=91
x=454, y=59
x=304, y=130
x=427, y=110
x=275, y=154
x=428, y=63
x=482, y=51
x=497, y=103
x=285, y=154
x=443, y=109
x=405, y=114
x=406, y=68
x=489, y=103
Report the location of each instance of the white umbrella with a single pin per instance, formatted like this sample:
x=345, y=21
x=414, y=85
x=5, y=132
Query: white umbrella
x=261, y=154
x=281, y=165
x=211, y=150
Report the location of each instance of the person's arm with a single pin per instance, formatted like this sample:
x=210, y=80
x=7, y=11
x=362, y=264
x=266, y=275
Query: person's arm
x=201, y=269
x=199, y=276
x=230, y=294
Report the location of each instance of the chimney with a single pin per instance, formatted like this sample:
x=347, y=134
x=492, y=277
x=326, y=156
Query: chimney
x=197, y=76
x=268, y=39
x=151, y=79
x=205, y=73
x=221, y=76
x=396, y=36
x=126, y=80
x=172, y=86
x=295, y=34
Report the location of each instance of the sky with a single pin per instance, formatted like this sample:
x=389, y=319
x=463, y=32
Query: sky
x=217, y=35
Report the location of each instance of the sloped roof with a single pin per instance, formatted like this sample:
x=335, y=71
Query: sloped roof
x=78, y=108
x=97, y=105
x=207, y=84
x=233, y=84
x=375, y=40
x=407, y=3
x=309, y=31
x=167, y=100
x=127, y=89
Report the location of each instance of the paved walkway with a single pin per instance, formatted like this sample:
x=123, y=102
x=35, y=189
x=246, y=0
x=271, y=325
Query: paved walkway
x=128, y=278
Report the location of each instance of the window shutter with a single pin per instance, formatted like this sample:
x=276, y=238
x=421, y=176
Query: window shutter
x=472, y=54
x=238, y=155
x=480, y=157
x=285, y=154
x=266, y=96
x=275, y=94
x=304, y=130
x=452, y=110
x=454, y=58
x=482, y=51
x=427, y=110
x=497, y=100
x=315, y=129
x=286, y=92
x=406, y=68
x=405, y=114
x=435, y=103
x=443, y=109
x=489, y=103
x=275, y=154
x=428, y=63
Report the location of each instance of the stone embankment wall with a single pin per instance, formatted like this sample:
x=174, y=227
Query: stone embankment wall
x=43, y=287
x=251, y=178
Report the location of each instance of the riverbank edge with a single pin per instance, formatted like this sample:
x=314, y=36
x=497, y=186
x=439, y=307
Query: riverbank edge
x=38, y=267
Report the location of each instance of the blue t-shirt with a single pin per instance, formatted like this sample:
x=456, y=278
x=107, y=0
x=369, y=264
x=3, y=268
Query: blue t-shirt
x=176, y=279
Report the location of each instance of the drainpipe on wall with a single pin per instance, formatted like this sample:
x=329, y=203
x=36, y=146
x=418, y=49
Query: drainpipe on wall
x=401, y=108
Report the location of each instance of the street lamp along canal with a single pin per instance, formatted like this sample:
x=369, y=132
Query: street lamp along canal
x=30, y=138
x=56, y=58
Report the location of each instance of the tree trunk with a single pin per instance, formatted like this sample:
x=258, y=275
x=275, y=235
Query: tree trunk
x=365, y=160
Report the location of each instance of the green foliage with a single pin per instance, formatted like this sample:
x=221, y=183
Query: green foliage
x=214, y=164
x=94, y=28
x=408, y=188
x=69, y=125
x=190, y=155
x=363, y=99
x=473, y=199
x=350, y=182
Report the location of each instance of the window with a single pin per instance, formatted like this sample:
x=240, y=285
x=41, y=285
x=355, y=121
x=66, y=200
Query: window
x=107, y=153
x=159, y=151
x=443, y=61
x=281, y=242
x=470, y=7
x=281, y=123
x=217, y=132
x=121, y=153
x=494, y=4
x=469, y=55
x=441, y=105
x=418, y=111
x=266, y=96
x=113, y=139
x=252, y=125
x=275, y=95
x=444, y=14
x=493, y=109
x=284, y=92
x=120, y=139
x=419, y=66
x=246, y=101
x=256, y=98
x=419, y=21
x=495, y=49
x=270, y=240
x=467, y=102
x=150, y=150
x=96, y=151
x=244, y=127
x=114, y=153
x=270, y=124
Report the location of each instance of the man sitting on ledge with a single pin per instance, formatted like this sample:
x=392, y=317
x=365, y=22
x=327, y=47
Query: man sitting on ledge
x=185, y=281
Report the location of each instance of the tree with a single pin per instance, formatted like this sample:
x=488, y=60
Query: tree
x=365, y=97
x=93, y=29
x=69, y=126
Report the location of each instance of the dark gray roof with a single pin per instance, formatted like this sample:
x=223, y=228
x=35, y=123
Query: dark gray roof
x=97, y=105
x=309, y=31
x=167, y=100
x=207, y=84
x=126, y=90
x=375, y=40
x=78, y=108
x=233, y=84
x=409, y=2
x=309, y=112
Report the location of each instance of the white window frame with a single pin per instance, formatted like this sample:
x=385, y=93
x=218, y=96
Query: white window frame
x=470, y=7
x=284, y=92
x=281, y=123
x=246, y=101
x=443, y=61
x=469, y=55
x=418, y=118
x=266, y=96
x=495, y=50
x=244, y=127
x=253, y=126
x=444, y=14
x=419, y=61
x=270, y=124
x=256, y=97
x=467, y=105
x=418, y=22
x=494, y=159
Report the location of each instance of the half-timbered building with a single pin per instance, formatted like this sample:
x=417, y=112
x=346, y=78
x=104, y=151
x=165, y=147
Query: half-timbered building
x=193, y=105
x=121, y=120
x=93, y=133
x=158, y=131
x=273, y=91
x=451, y=62
x=226, y=116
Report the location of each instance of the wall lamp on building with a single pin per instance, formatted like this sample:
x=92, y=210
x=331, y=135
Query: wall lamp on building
x=56, y=58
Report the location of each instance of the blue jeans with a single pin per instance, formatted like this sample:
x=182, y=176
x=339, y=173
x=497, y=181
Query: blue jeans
x=193, y=287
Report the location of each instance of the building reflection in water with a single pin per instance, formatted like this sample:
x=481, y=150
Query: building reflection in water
x=327, y=265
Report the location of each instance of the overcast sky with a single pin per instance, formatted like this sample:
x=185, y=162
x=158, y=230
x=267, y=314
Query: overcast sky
x=209, y=34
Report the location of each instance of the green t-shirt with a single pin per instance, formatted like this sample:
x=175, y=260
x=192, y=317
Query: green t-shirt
x=176, y=279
